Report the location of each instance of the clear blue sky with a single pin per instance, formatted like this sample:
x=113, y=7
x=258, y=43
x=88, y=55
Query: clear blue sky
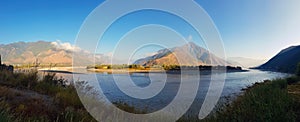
x=253, y=28
x=50, y=20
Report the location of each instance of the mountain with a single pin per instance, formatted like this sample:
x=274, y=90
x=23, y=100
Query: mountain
x=285, y=61
x=44, y=52
x=188, y=54
x=246, y=62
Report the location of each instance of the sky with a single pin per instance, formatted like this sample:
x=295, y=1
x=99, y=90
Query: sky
x=253, y=29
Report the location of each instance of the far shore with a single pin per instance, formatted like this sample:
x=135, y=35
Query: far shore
x=77, y=70
x=120, y=71
x=65, y=70
x=126, y=70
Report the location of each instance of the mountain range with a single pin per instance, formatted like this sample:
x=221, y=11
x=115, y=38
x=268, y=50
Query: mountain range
x=285, y=61
x=45, y=53
x=188, y=54
x=62, y=53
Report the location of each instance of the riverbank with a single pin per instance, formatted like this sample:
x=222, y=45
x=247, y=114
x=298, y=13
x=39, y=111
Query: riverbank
x=121, y=71
x=272, y=100
x=25, y=97
x=83, y=70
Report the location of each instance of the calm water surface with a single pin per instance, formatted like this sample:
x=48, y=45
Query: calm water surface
x=234, y=82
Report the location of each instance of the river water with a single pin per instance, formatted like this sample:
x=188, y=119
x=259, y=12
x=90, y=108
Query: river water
x=234, y=83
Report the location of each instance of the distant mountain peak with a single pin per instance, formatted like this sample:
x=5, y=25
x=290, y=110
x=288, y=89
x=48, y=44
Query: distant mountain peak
x=188, y=54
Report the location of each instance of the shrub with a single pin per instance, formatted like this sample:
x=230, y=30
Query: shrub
x=50, y=78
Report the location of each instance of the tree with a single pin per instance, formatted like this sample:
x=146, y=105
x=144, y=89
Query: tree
x=298, y=69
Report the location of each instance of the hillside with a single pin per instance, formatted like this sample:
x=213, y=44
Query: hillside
x=188, y=54
x=285, y=61
x=44, y=52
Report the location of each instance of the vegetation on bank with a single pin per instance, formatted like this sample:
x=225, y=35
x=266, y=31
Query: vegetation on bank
x=26, y=97
x=34, y=65
x=272, y=100
x=163, y=67
x=268, y=101
x=116, y=66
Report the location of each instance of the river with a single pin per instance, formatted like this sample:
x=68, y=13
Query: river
x=234, y=83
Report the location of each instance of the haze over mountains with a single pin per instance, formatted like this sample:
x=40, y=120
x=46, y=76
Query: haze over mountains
x=285, y=61
x=246, y=62
x=188, y=54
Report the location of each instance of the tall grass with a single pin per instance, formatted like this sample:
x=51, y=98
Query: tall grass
x=268, y=101
x=57, y=101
